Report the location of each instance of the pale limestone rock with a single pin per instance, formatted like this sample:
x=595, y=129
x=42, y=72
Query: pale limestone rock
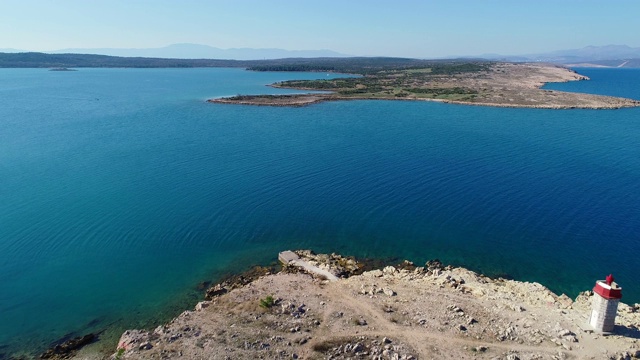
x=202, y=305
x=389, y=292
x=389, y=270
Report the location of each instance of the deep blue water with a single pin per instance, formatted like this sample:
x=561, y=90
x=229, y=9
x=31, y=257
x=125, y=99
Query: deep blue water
x=121, y=189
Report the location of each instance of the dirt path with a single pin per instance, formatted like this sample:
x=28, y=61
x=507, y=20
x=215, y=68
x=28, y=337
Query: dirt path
x=420, y=339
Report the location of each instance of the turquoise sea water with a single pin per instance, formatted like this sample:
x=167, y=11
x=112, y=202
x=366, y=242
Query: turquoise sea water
x=121, y=189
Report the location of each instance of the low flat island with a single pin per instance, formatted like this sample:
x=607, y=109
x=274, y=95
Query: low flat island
x=477, y=83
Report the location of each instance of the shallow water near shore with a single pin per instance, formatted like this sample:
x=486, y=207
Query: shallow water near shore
x=122, y=189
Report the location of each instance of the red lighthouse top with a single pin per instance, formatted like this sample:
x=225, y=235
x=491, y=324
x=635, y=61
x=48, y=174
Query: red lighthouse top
x=608, y=288
x=609, y=279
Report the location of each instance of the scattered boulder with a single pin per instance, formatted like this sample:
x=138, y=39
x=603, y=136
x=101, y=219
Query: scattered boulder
x=406, y=265
x=362, y=348
x=336, y=264
x=373, y=273
x=389, y=270
x=432, y=265
x=621, y=356
x=584, y=297
x=202, y=305
x=132, y=339
x=215, y=291
x=389, y=292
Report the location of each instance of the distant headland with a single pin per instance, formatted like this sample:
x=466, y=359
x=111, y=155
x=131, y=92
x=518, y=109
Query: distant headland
x=474, y=83
x=62, y=69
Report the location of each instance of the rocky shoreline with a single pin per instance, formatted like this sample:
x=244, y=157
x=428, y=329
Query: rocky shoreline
x=394, y=312
x=502, y=85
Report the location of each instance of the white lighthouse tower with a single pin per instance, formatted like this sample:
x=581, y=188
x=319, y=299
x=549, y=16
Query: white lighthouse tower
x=607, y=295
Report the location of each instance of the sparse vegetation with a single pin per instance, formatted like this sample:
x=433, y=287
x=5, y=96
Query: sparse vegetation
x=430, y=81
x=327, y=345
x=267, y=302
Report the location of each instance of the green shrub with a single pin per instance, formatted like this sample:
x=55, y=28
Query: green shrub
x=267, y=302
x=120, y=353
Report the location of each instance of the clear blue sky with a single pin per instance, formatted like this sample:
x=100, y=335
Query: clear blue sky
x=412, y=28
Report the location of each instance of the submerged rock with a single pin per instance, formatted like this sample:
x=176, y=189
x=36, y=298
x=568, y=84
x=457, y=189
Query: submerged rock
x=69, y=347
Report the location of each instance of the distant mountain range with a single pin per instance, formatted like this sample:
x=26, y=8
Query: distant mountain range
x=606, y=56
x=609, y=55
x=196, y=51
x=9, y=50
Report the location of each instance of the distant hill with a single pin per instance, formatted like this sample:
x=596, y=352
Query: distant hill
x=631, y=63
x=196, y=51
x=9, y=50
x=608, y=55
x=360, y=65
x=594, y=53
x=338, y=64
x=42, y=60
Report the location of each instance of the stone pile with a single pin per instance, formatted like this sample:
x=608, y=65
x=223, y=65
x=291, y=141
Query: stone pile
x=336, y=264
x=363, y=347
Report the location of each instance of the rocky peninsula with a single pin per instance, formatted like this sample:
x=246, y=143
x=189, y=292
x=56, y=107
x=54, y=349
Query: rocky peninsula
x=488, y=84
x=394, y=312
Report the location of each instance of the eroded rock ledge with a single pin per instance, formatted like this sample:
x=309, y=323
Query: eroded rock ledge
x=396, y=312
x=499, y=84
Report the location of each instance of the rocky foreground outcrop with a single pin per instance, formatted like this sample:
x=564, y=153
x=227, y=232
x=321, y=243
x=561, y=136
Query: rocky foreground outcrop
x=402, y=312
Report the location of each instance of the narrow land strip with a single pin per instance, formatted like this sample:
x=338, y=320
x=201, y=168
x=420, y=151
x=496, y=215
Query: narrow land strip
x=486, y=84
